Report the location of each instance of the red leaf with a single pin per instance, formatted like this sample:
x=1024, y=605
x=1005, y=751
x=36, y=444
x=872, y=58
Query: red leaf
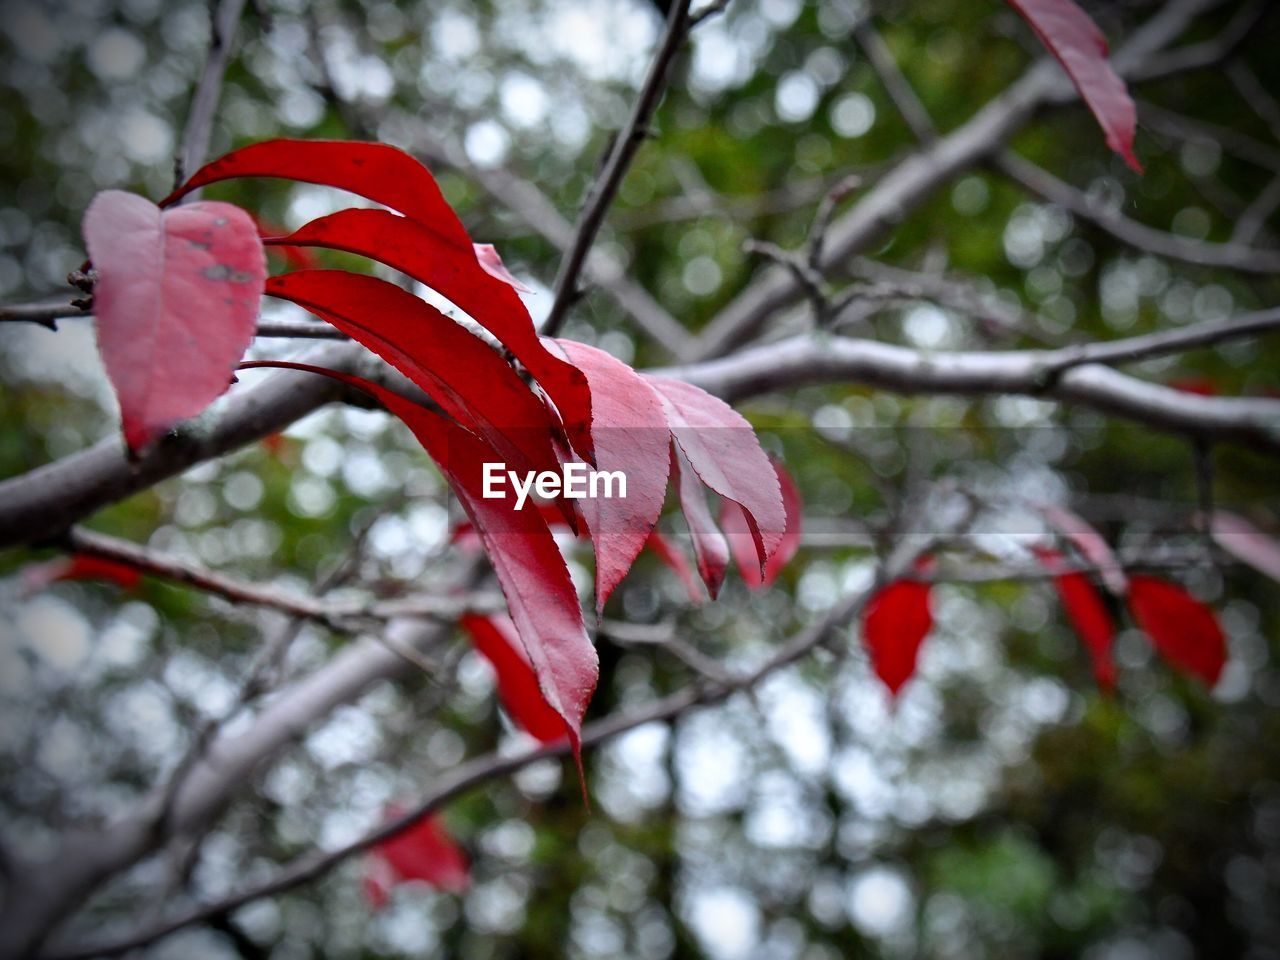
x=376, y=171
x=709, y=546
x=629, y=434
x=530, y=569
x=724, y=452
x=422, y=852
x=455, y=273
x=79, y=566
x=176, y=302
x=458, y=370
x=1090, y=543
x=1087, y=612
x=1246, y=543
x=495, y=638
x=1183, y=630
x=1078, y=44
x=738, y=533
x=669, y=554
x=894, y=624
x=487, y=254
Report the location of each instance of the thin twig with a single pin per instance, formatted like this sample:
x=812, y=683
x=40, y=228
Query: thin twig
x=224, y=17
x=1230, y=256
x=895, y=83
x=615, y=167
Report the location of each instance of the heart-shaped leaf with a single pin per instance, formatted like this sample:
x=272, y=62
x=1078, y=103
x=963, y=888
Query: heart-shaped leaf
x=176, y=301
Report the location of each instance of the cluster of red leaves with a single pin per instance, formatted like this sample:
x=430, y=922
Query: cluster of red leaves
x=1182, y=629
x=177, y=300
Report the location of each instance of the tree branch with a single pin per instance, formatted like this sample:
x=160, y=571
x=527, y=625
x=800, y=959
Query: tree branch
x=1230, y=256
x=224, y=18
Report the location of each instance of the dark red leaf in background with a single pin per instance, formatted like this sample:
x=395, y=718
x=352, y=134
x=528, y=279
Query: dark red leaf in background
x=738, y=533
x=455, y=273
x=1078, y=44
x=469, y=380
x=671, y=555
x=423, y=852
x=495, y=637
x=709, y=546
x=894, y=623
x=1087, y=613
x=79, y=566
x=176, y=302
x=1183, y=630
x=530, y=568
x=725, y=453
x=629, y=434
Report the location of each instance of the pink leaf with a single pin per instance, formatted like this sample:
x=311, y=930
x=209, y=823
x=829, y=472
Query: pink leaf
x=176, y=301
x=894, y=624
x=629, y=434
x=724, y=452
x=738, y=533
x=1246, y=543
x=422, y=852
x=1090, y=543
x=671, y=555
x=487, y=254
x=1087, y=612
x=1080, y=47
x=529, y=566
x=1183, y=630
x=709, y=546
x=495, y=637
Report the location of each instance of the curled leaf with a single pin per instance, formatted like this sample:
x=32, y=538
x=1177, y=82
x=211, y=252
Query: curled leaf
x=738, y=533
x=709, y=546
